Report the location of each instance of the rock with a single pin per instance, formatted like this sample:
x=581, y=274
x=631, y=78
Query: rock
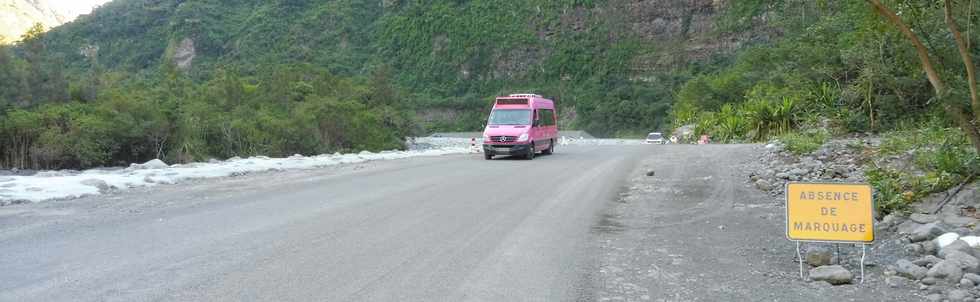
x=819, y=255
x=967, y=263
x=945, y=239
x=841, y=171
x=927, y=261
x=969, y=195
x=959, y=221
x=967, y=283
x=906, y=227
x=799, y=172
x=972, y=277
x=896, y=281
x=929, y=281
x=782, y=175
x=929, y=248
x=833, y=274
x=99, y=184
x=934, y=298
x=963, y=231
x=763, y=185
x=959, y=295
x=958, y=245
x=651, y=173
x=909, y=270
x=972, y=241
x=947, y=270
x=926, y=232
x=184, y=54
x=923, y=218
x=914, y=249
x=890, y=220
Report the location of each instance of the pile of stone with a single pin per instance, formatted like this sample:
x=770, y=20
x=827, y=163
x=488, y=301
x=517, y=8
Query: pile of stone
x=835, y=161
x=942, y=256
x=821, y=259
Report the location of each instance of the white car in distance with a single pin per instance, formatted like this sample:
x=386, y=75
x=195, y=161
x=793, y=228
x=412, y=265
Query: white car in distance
x=655, y=138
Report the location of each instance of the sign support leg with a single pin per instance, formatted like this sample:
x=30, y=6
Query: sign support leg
x=863, y=254
x=837, y=245
x=799, y=256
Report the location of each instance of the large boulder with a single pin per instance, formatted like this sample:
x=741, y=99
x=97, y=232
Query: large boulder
x=946, y=270
x=959, y=246
x=909, y=270
x=833, y=274
x=945, y=239
x=926, y=232
x=958, y=295
x=967, y=263
x=927, y=261
x=972, y=277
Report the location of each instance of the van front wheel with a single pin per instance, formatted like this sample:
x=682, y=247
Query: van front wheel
x=530, y=152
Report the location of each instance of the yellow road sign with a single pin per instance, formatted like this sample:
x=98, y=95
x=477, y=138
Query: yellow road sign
x=829, y=212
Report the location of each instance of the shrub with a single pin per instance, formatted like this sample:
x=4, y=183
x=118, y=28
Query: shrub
x=804, y=142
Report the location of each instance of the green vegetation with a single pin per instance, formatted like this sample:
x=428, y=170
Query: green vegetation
x=283, y=77
x=845, y=67
x=915, y=163
x=804, y=142
x=838, y=66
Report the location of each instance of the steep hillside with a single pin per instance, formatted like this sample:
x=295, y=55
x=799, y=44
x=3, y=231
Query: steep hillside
x=16, y=16
x=577, y=51
x=186, y=80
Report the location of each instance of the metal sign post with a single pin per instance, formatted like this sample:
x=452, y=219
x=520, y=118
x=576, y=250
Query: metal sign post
x=832, y=213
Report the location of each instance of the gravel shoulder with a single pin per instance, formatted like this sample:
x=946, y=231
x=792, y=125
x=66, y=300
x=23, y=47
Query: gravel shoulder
x=698, y=230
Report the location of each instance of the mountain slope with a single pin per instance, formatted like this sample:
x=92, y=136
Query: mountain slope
x=16, y=16
x=576, y=51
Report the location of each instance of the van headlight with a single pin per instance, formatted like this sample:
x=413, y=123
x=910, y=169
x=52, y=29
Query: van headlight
x=522, y=138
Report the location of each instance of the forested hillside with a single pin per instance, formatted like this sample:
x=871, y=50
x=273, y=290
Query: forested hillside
x=188, y=80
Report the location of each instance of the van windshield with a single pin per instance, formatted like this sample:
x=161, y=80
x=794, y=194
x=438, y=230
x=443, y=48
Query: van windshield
x=510, y=117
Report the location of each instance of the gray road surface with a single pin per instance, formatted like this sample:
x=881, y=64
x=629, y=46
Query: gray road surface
x=585, y=224
x=453, y=228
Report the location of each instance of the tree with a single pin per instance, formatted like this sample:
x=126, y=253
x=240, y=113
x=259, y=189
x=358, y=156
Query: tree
x=966, y=118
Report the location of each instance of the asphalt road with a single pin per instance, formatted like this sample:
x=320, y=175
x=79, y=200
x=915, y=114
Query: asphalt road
x=453, y=228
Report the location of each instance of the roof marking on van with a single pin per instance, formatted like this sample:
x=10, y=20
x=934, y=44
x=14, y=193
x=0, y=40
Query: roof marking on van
x=512, y=101
x=526, y=95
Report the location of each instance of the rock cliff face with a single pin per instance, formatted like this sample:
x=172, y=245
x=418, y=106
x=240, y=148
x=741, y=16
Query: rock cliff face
x=681, y=31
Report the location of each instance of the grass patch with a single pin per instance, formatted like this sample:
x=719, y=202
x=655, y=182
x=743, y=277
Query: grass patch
x=801, y=143
x=941, y=158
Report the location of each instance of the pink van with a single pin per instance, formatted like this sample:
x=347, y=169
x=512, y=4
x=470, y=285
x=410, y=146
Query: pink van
x=521, y=124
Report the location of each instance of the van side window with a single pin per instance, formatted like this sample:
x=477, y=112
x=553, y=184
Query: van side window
x=547, y=117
